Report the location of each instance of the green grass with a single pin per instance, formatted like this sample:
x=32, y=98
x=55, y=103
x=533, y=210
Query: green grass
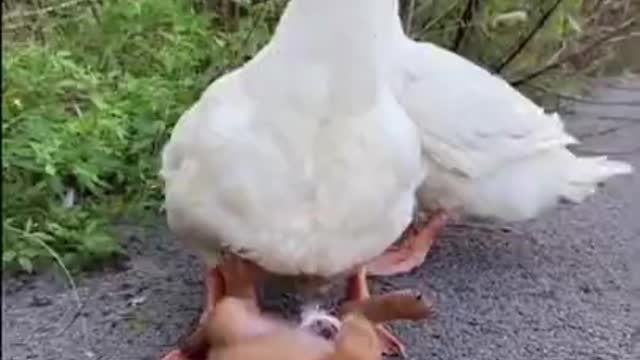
x=89, y=101
x=88, y=112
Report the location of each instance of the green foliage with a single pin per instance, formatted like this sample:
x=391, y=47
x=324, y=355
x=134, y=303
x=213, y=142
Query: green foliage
x=496, y=27
x=86, y=114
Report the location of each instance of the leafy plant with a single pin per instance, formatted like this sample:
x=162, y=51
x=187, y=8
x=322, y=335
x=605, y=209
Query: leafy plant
x=83, y=120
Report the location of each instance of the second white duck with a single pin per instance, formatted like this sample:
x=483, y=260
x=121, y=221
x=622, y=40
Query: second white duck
x=491, y=152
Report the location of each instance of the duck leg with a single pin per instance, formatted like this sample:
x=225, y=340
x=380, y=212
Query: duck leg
x=234, y=277
x=412, y=250
x=358, y=291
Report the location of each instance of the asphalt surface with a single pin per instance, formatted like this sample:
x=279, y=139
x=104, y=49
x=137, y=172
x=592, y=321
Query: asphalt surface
x=566, y=286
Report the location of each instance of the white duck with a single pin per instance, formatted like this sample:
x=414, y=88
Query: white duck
x=491, y=152
x=302, y=161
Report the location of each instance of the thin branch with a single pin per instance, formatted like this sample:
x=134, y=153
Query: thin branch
x=625, y=37
x=604, y=39
x=467, y=18
x=214, y=72
x=261, y=15
x=425, y=29
x=226, y=9
x=94, y=6
x=541, y=22
x=410, y=15
x=17, y=26
x=42, y=11
x=73, y=319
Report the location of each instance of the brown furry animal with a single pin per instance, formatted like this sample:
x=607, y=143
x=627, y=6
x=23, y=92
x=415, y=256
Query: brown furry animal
x=236, y=330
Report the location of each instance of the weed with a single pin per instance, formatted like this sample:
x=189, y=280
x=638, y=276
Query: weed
x=83, y=120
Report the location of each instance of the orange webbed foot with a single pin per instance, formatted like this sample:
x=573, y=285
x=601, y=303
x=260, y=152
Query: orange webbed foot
x=411, y=252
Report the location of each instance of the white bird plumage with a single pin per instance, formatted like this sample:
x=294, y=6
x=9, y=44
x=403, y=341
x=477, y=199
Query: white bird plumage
x=491, y=152
x=302, y=160
x=308, y=158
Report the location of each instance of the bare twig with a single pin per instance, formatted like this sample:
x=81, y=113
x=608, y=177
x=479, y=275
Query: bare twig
x=213, y=72
x=625, y=37
x=467, y=18
x=73, y=319
x=226, y=9
x=41, y=11
x=74, y=288
x=410, y=14
x=94, y=6
x=541, y=22
x=603, y=39
x=17, y=26
x=261, y=16
x=437, y=19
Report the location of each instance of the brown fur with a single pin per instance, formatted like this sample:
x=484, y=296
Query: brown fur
x=237, y=331
x=234, y=329
x=280, y=341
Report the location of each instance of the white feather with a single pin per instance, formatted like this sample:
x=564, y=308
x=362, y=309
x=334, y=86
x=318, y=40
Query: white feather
x=491, y=151
x=301, y=160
